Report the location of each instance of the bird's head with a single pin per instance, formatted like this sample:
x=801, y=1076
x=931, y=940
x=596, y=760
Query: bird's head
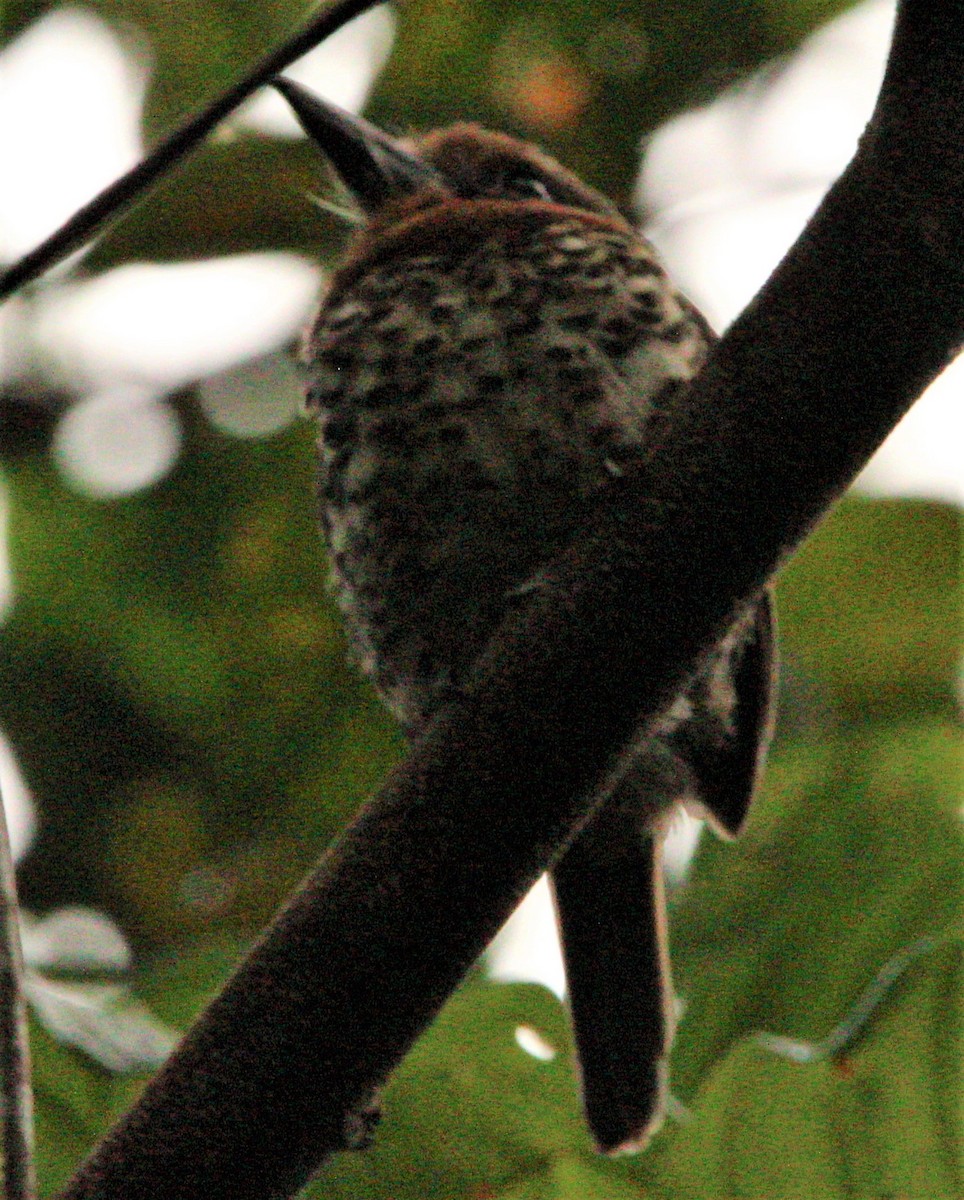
x=461, y=176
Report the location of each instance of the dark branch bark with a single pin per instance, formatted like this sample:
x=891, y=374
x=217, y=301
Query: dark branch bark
x=865, y=310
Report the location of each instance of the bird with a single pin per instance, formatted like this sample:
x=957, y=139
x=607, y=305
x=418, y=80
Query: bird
x=485, y=362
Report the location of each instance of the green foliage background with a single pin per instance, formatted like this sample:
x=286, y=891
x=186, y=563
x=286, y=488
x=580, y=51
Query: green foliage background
x=174, y=681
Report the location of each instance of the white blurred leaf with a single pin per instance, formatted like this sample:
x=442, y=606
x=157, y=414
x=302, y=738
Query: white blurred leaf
x=103, y=1021
x=74, y=939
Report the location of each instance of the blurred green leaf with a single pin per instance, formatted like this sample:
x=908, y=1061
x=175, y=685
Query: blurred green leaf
x=75, y=1099
x=469, y=1113
x=853, y=852
x=870, y=610
x=178, y=689
x=880, y=1120
x=235, y=196
x=71, y=1107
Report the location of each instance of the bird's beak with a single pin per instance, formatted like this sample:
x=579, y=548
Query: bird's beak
x=372, y=165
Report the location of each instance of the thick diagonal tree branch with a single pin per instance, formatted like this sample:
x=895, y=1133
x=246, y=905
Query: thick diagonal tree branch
x=865, y=310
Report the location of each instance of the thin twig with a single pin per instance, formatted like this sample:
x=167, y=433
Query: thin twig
x=861, y=1013
x=106, y=207
x=17, y=1097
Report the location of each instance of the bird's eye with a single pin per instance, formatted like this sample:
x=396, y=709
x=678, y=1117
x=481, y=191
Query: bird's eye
x=526, y=187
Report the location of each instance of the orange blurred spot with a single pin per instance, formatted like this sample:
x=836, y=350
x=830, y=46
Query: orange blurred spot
x=547, y=93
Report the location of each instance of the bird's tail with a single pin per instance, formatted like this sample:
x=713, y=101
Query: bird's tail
x=612, y=918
